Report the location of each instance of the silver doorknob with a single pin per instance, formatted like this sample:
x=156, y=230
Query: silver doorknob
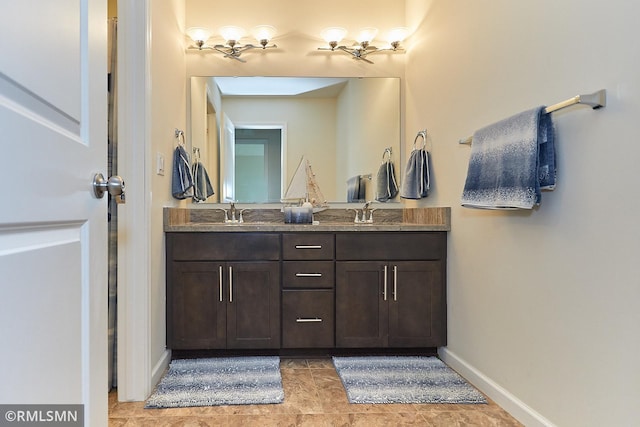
x=114, y=186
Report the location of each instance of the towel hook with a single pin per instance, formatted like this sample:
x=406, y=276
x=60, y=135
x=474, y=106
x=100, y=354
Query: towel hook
x=386, y=151
x=423, y=134
x=180, y=136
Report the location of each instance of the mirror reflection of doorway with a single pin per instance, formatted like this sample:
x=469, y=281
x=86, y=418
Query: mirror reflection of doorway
x=258, y=166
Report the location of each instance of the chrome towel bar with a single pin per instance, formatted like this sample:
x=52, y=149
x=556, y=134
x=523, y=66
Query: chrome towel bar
x=594, y=100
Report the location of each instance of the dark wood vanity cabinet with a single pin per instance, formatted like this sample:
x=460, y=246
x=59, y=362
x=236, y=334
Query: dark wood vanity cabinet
x=390, y=290
x=223, y=291
x=304, y=290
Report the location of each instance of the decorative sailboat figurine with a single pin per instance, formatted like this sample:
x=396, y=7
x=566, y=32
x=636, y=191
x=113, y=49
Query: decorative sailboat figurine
x=304, y=187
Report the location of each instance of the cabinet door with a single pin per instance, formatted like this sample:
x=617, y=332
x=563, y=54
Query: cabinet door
x=196, y=314
x=416, y=304
x=361, y=308
x=253, y=309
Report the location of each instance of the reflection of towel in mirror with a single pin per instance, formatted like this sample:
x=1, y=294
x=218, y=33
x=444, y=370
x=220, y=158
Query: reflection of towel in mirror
x=201, y=185
x=182, y=181
x=510, y=162
x=416, y=178
x=356, y=189
x=386, y=185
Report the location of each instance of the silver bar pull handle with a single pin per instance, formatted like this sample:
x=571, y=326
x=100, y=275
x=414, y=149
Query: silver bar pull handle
x=384, y=291
x=220, y=282
x=308, y=246
x=308, y=320
x=395, y=283
x=230, y=284
x=308, y=274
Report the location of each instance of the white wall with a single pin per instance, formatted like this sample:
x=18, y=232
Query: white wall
x=369, y=122
x=542, y=303
x=299, y=25
x=168, y=102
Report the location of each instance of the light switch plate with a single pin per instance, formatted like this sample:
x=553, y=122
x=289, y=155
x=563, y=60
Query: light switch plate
x=159, y=164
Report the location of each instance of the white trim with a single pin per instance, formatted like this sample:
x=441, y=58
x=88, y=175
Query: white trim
x=510, y=403
x=134, y=278
x=160, y=367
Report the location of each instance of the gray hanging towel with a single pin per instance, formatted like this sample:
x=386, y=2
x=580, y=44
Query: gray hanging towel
x=386, y=185
x=416, y=183
x=202, y=188
x=182, y=181
x=353, y=189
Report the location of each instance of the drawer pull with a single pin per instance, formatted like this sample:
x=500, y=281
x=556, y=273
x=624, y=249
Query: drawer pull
x=308, y=320
x=395, y=283
x=220, y=283
x=230, y=284
x=308, y=274
x=384, y=292
x=308, y=246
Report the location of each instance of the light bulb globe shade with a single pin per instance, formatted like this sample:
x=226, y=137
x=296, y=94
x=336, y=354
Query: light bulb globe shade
x=367, y=34
x=397, y=34
x=231, y=32
x=198, y=34
x=333, y=34
x=264, y=32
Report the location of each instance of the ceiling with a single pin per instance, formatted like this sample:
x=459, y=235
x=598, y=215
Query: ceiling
x=280, y=86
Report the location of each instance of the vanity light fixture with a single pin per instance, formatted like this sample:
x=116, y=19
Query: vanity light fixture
x=363, y=47
x=232, y=48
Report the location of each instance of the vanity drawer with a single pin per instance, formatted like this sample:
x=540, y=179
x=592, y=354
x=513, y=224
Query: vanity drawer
x=308, y=274
x=303, y=246
x=223, y=246
x=387, y=246
x=307, y=319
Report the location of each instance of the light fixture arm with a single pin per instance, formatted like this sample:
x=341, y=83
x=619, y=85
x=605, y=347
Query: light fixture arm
x=229, y=52
x=357, y=53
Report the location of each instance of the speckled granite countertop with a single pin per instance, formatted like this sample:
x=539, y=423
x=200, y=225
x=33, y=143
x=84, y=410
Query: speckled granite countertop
x=271, y=220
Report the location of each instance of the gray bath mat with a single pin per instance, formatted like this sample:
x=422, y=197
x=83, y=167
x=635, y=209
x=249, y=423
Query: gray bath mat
x=219, y=381
x=403, y=379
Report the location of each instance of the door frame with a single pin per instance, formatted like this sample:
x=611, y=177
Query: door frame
x=135, y=373
x=282, y=126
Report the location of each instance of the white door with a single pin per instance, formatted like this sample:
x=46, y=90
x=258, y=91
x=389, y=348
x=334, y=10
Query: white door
x=53, y=244
x=228, y=160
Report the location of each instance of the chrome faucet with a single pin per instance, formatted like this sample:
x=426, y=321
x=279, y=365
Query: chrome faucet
x=232, y=211
x=367, y=213
x=363, y=215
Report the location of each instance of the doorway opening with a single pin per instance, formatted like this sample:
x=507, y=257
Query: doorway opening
x=259, y=164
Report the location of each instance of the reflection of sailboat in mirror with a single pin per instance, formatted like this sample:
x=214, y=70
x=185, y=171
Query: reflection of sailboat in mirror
x=304, y=187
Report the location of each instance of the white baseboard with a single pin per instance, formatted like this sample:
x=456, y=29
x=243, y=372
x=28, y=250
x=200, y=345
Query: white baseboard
x=160, y=368
x=514, y=406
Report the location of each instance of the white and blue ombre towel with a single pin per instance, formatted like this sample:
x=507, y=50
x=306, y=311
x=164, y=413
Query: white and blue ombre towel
x=181, y=180
x=510, y=162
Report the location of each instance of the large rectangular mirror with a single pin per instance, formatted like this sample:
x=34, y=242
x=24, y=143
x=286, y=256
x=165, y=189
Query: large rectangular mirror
x=251, y=133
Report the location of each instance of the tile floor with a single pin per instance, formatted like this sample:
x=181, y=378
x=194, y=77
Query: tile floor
x=314, y=396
